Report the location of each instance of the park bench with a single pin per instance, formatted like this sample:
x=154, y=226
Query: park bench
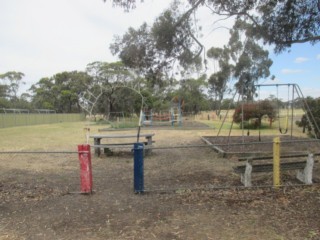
x=98, y=145
x=304, y=167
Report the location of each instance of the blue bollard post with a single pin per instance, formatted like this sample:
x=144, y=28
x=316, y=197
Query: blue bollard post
x=138, y=180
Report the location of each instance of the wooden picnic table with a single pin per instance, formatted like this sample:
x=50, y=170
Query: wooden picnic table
x=98, y=137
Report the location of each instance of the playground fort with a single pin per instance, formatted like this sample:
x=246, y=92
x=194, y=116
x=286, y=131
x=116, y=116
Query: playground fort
x=164, y=118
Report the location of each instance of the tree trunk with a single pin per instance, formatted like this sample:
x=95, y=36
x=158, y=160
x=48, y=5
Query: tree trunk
x=270, y=122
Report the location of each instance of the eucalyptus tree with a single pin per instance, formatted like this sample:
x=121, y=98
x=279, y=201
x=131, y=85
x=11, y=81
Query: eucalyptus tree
x=193, y=93
x=251, y=61
x=277, y=23
x=9, y=86
x=68, y=85
x=242, y=60
x=44, y=94
x=60, y=92
x=314, y=106
x=218, y=81
x=156, y=50
x=108, y=90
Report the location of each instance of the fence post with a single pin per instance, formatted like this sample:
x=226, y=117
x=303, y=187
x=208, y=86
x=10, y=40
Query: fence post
x=138, y=180
x=276, y=162
x=85, y=168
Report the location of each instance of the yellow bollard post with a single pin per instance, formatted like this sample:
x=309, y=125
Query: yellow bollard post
x=276, y=162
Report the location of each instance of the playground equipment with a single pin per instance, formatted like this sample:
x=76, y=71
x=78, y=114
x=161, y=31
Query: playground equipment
x=177, y=104
x=283, y=125
x=250, y=145
x=286, y=121
x=115, y=116
x=174, y=115
x=150, y=118
x=290, y=102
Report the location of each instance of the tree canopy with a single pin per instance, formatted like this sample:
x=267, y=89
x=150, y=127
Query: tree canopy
x=163, y=60
x=10, y=82
x=254, y=111
x=156, y=50
x=278, y=23
x=171, y=44
x=314, y=106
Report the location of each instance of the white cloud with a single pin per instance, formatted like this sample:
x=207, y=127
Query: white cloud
x=301, y=60
x=291, y=71
x=318, y=56
x=312, y=92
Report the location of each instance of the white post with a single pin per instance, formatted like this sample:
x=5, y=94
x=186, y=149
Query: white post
x=246, y=176
x=305, y=175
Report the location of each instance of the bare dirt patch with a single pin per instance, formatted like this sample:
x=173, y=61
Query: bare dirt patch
x=36, y=200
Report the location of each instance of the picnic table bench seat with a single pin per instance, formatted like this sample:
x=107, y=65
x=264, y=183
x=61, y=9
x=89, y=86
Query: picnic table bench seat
x=98, y=137
x=118, y=145
x=304, y=168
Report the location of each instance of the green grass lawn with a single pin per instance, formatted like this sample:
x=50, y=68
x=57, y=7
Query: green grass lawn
x=58, y=136
x=67, y=135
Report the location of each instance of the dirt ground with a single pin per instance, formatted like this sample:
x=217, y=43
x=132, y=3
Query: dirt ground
x=251, y=145
x=191, y=193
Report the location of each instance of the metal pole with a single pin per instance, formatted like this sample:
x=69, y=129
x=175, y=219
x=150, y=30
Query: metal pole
x=276, y=162
x=85, y=168
x=242, y=117
x=139, y=125
x=292, y=111
x=229, y=106
x=138, y=180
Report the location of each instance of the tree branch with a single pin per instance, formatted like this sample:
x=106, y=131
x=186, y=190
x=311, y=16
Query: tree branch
x=186, y=15
x=309, y=39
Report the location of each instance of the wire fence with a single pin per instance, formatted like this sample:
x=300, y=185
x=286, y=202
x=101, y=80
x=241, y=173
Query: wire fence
x=28, y=119
x=171, y=168
x=33, y=175
x=197, y=167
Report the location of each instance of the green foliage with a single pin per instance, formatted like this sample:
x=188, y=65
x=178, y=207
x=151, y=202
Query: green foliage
x=227, y=103
x=245, y=61
x=119, y=125
x=314, y=105
x=154, y=50
x=9, y=86
x=218, y=81
x=251, y=60
x=284, y=23
x=192, y=93
x=114, y=88
x=60, y=92
x=277, y=23
x=253, y=113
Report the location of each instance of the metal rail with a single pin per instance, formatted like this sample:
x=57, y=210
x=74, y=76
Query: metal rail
x=226, y=144
x=35, y=152
x=270, y=157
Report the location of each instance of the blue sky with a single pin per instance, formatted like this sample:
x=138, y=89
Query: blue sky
x=301, y=65
x=41, y=38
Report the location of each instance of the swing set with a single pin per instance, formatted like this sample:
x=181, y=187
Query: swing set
x=294, y=94
x=285, y=129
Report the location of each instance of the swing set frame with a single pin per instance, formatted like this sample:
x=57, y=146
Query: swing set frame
x=282, y=130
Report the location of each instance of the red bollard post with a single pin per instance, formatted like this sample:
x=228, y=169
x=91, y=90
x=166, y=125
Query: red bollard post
x=85, y=168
